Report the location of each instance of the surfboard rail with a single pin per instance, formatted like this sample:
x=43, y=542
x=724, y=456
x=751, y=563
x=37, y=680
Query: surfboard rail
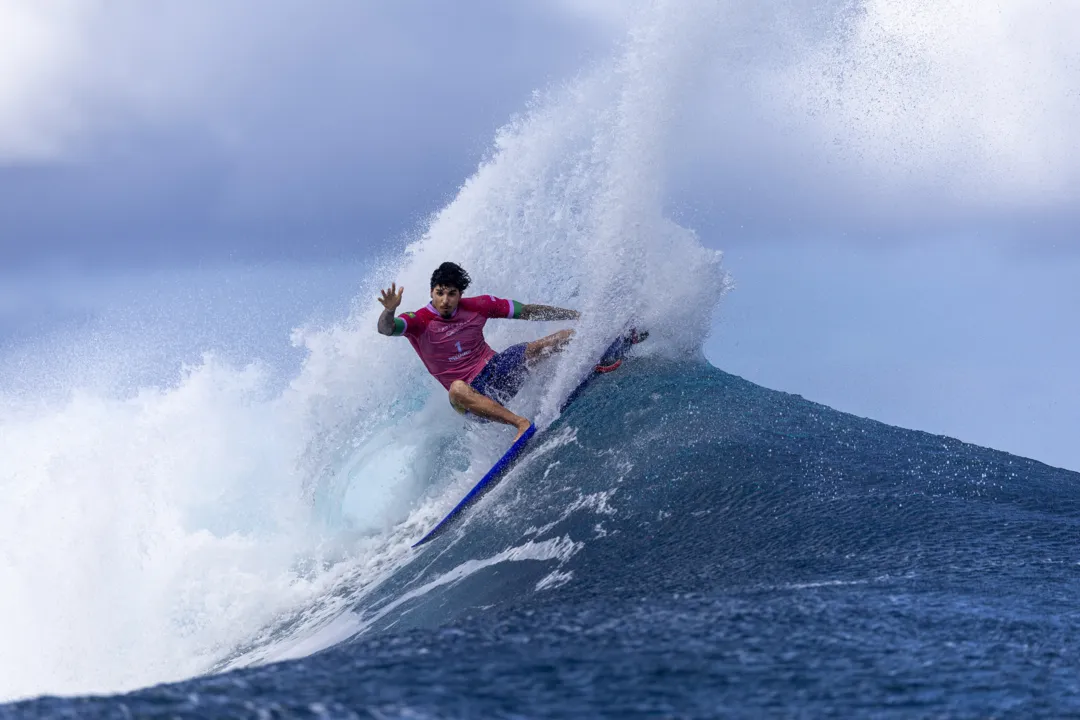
x=500, y=468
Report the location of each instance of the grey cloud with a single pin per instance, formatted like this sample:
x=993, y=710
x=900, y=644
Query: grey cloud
x=255, y=131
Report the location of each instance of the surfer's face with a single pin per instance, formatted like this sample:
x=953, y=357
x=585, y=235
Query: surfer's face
x=445, y=299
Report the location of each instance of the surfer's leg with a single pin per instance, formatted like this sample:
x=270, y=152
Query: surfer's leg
x=464, y=397
x=549, y=345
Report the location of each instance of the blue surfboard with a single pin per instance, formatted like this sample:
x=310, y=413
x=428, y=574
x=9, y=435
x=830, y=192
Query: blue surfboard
x=610, y=360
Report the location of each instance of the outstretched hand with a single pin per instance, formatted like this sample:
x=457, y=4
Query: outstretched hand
x=391, y=297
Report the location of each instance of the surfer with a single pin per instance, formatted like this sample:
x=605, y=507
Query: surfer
x=448, y=335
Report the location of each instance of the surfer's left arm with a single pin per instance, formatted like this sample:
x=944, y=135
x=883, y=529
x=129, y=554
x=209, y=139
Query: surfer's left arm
x=545, y=312
x=494, y=307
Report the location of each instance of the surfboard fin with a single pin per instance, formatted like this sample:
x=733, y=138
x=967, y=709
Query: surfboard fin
x=608, y=368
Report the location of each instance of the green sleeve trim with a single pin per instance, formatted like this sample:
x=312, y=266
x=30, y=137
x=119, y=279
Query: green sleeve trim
x=518, y=309
x=399, y=327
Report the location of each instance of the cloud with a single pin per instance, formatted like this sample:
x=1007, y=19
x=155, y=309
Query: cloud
x=233, y=68
x=980, y=97
x=253, y=129
x=249, y=129
x=40, y=51
x=609, y=15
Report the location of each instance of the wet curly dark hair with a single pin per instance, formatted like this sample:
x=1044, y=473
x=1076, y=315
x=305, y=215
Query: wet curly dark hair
x=450, y=275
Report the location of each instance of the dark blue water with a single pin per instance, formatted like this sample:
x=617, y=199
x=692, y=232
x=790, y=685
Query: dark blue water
x=705, y=547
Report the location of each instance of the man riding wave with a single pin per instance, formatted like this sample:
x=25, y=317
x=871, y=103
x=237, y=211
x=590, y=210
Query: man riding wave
x=448, y=335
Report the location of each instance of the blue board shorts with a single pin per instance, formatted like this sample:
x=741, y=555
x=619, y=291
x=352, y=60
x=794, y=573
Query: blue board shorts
x=503, y=375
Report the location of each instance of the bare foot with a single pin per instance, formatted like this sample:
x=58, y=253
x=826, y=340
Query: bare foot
x=522, y=427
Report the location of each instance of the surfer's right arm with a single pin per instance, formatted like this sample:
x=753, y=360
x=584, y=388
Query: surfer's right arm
x=390, y=299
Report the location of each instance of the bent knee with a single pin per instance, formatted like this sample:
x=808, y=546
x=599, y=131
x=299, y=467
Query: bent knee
x=458, y=389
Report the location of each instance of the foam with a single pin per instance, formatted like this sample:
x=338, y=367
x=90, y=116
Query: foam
x=214, y=519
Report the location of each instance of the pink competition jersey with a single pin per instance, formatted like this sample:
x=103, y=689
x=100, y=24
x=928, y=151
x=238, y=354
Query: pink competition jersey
x=454, y=349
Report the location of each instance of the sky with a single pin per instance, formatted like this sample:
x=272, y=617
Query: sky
x=250, y=130
x=894, y=182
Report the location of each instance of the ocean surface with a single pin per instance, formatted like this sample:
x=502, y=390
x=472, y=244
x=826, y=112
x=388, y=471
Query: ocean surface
x=211, y=479
x=683, y=543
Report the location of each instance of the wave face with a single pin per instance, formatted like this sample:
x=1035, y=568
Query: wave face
x=680, y=542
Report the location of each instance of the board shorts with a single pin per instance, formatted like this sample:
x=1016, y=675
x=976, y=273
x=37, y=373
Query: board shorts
x=502, y=377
